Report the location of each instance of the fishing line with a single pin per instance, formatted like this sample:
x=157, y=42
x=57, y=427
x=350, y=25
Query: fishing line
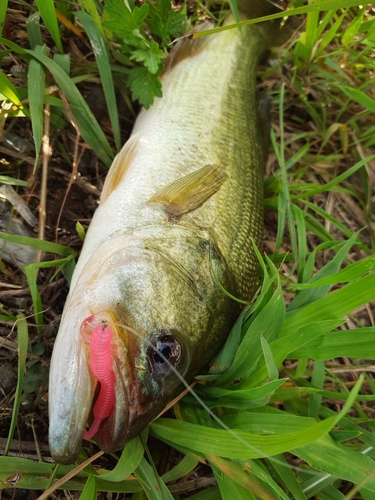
x=189, y=388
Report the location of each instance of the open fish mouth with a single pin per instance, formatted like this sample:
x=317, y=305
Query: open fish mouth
x=89, y=396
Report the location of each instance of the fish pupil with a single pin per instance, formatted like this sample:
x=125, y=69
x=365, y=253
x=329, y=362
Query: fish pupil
x=165, y=350
x=165, y=354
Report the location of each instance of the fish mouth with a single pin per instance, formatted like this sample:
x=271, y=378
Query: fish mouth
x=75, y=393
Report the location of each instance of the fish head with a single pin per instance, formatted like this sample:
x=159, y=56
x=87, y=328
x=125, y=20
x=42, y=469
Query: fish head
x=161, y=334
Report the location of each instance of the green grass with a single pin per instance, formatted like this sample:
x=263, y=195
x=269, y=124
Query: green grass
x=282, y=420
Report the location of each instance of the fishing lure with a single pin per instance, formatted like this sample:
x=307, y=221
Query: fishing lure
x=101, y=368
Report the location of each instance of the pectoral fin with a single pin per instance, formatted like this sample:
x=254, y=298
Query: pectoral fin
x=190, y=192
x=120, y=165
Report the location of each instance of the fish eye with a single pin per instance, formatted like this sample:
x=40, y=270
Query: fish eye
x=164, y=354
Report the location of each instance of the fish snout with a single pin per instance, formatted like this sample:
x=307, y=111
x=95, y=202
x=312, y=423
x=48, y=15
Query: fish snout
x=87, y=396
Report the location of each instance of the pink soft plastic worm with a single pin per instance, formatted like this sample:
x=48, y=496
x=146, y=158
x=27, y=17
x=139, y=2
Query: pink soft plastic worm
x=101, y=368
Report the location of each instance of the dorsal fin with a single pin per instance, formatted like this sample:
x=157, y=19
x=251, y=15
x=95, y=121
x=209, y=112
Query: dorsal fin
x=191, y=191
x=187, y=47
x=120, y=165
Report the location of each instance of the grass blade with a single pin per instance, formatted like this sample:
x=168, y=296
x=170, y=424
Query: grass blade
x=183, y=468
x=238, y=444
x=86, y=121
x=48, y=14
x=101, y=55
x=9, y=90
x=91, y=8
x=36, y=89
x=333, y=306
x=130, y=459
x=89, y=492
x=339, y=344
x=33, y=30
x=46, y=246
x=23, y=341
x=322, y=455
x=235, y=483
x=30, y=271
x=153, y=486
x=315, y=7
x=286, y=475
x=3, y=13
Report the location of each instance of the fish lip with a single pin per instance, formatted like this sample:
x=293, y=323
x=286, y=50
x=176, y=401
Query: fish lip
x=67, y=418
x=113, y=431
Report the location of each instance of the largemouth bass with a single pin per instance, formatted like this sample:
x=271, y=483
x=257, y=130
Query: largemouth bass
x=180, y=207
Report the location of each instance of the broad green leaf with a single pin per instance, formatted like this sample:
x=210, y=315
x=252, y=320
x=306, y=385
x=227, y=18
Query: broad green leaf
x=193, y=411
x=272, y=370
x=316, y=482
x=359, y=96
x=367, y=494
x=35, y=475
x=89, y=492
x=267, y=323
x=281, y=348
x=164, y=21
x=356, y=343
x=153, y=486
x=342, y=436
x=48, y=14
x=317, y=380
x=332, y=267
x=144, y=86
x=267, y=420
x=183, y=468
x=208, y=494
x=238, y=444
x=63, y=60
x=151, y=57
x=286, y=475
x=350, y=273
x=287, y=393
x=265, y=476
x=130, y=459
x=235, y=483
x=324, y=453
x=247, y=398
x=124, y=22
x=9, y=90
x=225, y=357
x=334, y=306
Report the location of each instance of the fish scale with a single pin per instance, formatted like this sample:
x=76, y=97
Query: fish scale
x=179, y=210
